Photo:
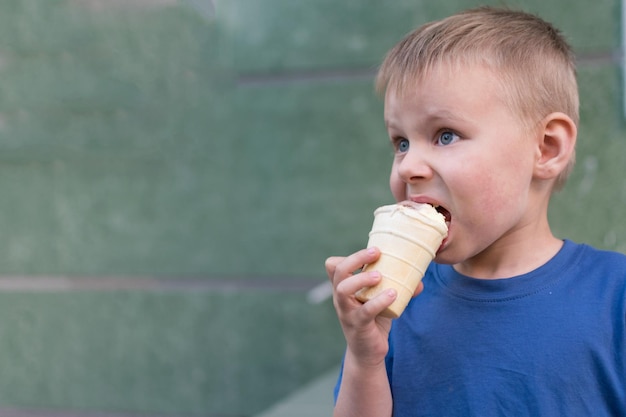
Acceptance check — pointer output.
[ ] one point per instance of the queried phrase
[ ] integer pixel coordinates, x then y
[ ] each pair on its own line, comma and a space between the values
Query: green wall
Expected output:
174, 173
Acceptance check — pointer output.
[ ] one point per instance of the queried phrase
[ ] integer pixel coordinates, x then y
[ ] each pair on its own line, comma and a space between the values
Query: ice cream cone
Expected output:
408, 236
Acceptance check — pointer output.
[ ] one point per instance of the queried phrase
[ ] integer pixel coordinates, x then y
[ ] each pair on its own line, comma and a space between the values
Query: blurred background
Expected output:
173, 174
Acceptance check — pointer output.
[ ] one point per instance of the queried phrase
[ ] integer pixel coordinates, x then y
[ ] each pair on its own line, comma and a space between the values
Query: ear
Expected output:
556, 143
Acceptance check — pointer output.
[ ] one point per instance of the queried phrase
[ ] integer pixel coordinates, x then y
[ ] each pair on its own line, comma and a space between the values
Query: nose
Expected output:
414, 166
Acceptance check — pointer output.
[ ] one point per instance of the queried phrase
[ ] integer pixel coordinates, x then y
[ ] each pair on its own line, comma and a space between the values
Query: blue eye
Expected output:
447, 137
403, 145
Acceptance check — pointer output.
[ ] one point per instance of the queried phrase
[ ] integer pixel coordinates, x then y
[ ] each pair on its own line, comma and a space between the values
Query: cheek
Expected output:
397, 187
497, 192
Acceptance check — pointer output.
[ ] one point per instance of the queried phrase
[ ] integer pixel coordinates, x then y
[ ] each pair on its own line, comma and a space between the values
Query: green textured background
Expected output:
229, 147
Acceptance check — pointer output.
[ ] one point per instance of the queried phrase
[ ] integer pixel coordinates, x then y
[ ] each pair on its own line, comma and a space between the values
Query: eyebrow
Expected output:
434, 116
446, 115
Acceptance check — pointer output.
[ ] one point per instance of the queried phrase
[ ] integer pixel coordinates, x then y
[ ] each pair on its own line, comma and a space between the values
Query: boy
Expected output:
482, 111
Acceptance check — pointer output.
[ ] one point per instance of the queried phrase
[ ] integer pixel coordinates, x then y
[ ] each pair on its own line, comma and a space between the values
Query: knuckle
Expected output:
330, 263
341, 289
342, 271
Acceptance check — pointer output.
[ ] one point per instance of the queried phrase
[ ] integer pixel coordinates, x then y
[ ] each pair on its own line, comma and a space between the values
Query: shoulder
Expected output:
601, 272
593, 258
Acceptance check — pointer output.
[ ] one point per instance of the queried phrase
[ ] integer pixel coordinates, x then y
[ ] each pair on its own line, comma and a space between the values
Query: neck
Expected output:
519, 252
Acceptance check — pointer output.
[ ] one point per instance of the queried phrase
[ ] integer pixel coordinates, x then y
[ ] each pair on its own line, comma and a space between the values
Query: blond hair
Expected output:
529, 57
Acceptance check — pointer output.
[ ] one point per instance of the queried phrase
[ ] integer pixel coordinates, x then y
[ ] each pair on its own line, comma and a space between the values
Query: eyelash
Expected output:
442, 132
396, 142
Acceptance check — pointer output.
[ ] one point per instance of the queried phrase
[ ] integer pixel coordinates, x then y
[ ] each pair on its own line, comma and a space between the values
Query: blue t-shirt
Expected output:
548, 343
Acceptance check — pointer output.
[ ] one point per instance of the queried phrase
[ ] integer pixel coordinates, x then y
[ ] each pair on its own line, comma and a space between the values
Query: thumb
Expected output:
419, 289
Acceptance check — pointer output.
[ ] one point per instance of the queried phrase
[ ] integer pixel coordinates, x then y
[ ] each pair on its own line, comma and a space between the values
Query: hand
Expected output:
366, 332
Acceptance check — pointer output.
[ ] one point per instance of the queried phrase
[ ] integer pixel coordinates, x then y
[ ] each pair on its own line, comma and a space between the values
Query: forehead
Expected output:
461, 76
467, 101
445, 90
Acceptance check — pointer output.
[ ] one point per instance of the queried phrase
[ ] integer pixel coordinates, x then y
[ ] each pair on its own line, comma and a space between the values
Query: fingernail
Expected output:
371, 251
391, 293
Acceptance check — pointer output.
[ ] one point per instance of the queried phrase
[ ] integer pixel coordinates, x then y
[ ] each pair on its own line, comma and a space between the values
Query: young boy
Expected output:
482, 111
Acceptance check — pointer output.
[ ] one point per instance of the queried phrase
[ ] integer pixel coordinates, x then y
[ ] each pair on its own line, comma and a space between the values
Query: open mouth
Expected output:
448, 217
445, 213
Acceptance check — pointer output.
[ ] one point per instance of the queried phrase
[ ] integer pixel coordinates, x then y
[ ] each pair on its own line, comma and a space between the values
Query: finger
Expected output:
331, 264
378, 304
355, 261
419, 289
352, 284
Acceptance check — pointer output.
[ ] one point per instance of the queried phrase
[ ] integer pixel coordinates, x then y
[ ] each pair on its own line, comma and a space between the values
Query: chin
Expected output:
441, 258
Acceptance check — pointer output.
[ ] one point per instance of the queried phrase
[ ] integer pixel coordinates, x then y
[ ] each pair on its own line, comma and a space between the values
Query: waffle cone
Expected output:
408, 236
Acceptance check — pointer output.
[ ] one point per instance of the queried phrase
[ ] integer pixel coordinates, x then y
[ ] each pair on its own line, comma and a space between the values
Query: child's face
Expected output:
458, 146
